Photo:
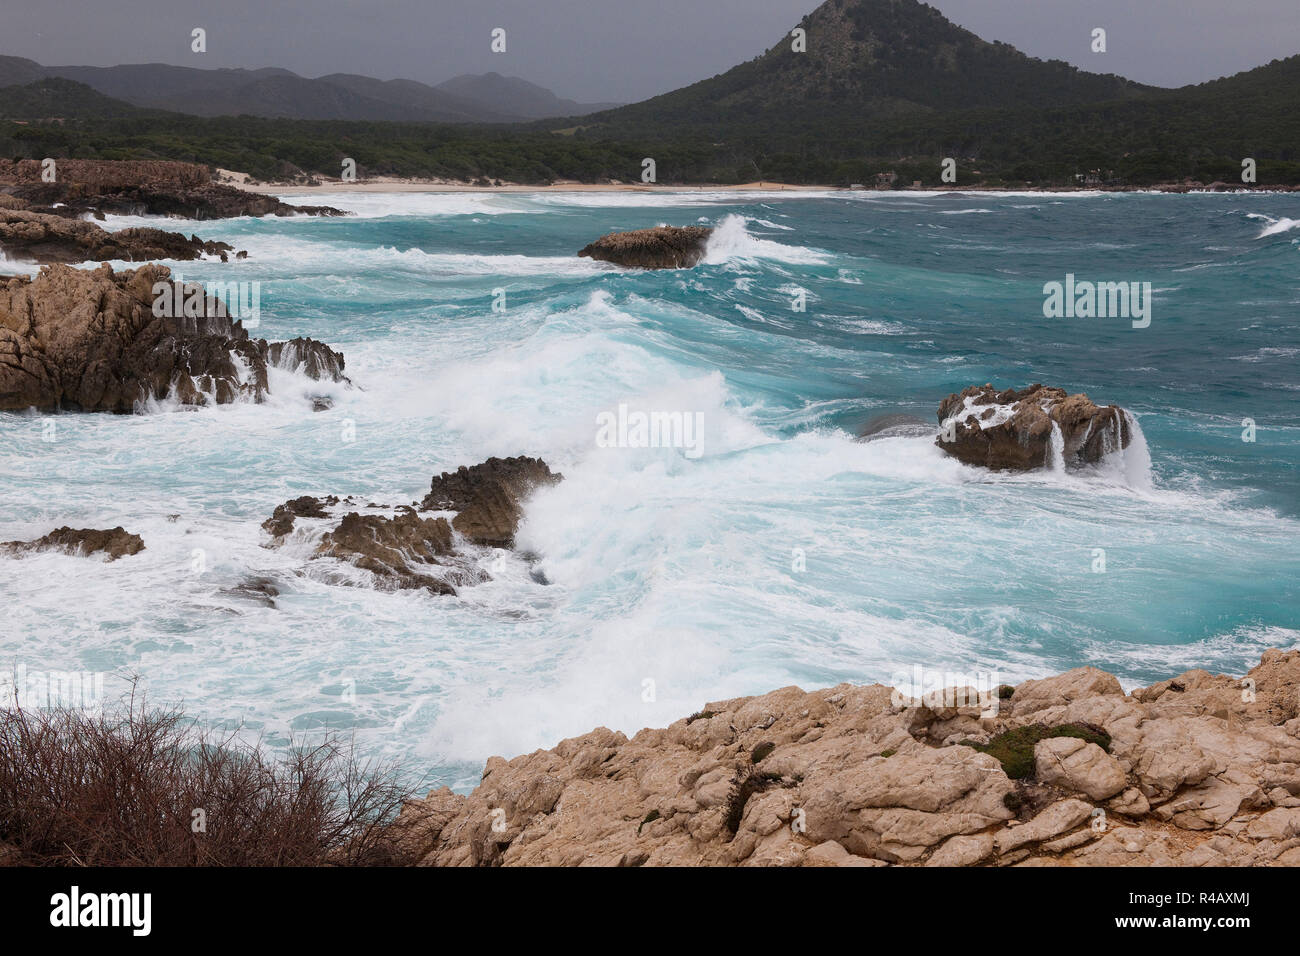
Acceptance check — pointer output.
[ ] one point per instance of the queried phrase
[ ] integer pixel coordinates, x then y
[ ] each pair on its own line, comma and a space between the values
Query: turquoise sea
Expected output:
786, 552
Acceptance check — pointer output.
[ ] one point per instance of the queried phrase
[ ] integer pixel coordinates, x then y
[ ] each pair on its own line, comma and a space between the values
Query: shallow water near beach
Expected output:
786, 552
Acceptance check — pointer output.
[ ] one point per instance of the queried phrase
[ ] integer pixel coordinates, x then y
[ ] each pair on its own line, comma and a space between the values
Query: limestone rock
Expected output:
1078, 766
852, 777
1057, 819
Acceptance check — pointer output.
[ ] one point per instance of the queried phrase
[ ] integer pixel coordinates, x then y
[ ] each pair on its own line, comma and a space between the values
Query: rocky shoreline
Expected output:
48, 222
91, 340
1198, 770
138, 188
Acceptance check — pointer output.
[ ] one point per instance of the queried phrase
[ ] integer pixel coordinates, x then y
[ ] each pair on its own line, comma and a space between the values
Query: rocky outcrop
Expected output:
1036, 427
403, 551
47, 238
1199, 770
141, 188
87, 340
282, 519
113, 544
664, 247
487, 497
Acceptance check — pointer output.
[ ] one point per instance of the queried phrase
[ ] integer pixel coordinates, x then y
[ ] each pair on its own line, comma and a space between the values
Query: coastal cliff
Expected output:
83, 340
1198, 770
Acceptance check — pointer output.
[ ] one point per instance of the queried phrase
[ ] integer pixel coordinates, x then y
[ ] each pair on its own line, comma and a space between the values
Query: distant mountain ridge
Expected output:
873, 59
278, 93
884, 91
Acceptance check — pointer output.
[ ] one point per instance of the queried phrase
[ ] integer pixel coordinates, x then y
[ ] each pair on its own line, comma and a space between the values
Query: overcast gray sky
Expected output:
625, 50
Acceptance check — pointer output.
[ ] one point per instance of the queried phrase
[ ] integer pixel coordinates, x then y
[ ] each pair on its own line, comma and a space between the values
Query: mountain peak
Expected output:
878, 58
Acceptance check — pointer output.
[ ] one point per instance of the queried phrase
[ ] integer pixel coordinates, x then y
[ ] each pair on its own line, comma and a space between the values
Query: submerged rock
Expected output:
88, 340
849, 776
664, 247
895, 425
257, 589
113, 544
1034, 427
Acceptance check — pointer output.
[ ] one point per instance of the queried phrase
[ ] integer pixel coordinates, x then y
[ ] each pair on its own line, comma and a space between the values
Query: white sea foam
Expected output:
1276, 226
731, 241
786, 553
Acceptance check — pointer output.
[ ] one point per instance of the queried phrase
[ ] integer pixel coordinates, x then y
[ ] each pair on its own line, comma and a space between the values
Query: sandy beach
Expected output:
393, 184
390, 184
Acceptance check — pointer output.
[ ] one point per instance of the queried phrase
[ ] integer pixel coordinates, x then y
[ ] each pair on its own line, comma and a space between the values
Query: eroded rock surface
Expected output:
140, 188
392, 548
663, 247
112, 544
46, 237
1035, 427
403, 550
1201, 770
88, 340
487, 497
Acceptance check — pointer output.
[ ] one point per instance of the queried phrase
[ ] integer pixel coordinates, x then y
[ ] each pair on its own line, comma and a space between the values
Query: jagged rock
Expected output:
1012, 430
46, 238
1081, 682
306, 356
281, 521
663, 247
487, 497
89, 340
142, 188
404, 551
853, 775
400, 551
1210, 804
113, 544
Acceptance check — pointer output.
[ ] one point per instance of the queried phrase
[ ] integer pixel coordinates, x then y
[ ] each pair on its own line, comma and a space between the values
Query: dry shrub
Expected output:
94, 790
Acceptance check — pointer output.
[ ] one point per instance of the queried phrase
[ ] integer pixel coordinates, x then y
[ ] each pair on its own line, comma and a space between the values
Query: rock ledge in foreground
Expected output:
1182, 773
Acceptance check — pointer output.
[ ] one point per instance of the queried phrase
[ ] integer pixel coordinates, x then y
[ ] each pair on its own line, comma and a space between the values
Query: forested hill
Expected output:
885, 86
869, 60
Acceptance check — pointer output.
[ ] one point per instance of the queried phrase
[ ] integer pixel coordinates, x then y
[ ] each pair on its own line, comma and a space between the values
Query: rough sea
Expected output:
779, 550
